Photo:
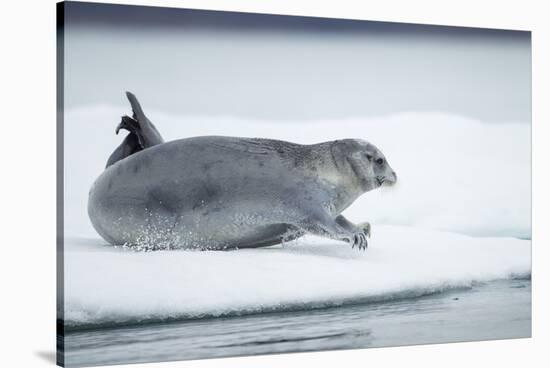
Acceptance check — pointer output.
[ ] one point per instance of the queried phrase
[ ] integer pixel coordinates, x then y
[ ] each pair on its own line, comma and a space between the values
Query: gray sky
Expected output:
278, 67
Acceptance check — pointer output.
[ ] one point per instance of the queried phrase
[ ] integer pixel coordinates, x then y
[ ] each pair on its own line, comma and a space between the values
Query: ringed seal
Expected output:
215, 192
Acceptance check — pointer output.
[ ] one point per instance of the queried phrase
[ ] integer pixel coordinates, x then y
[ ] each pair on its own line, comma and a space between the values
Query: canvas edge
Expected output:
60, 282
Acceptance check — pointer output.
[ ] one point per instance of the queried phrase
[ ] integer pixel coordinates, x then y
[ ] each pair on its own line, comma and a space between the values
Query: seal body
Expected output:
229, 192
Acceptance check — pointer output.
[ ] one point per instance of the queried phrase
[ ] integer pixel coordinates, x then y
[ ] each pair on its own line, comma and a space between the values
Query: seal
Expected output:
216, 192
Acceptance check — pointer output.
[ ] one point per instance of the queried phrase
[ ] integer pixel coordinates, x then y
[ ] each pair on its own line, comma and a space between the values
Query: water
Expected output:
496, 310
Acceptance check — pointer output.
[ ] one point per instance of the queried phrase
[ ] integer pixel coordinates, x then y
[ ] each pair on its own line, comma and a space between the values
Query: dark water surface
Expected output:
495, 310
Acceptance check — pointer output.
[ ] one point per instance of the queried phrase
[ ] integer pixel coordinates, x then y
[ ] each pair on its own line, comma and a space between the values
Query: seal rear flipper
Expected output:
143, 134
129, 146
133, 127
148, 133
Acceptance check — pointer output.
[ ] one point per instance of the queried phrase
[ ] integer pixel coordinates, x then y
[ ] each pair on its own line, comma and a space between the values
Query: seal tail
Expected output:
142, 132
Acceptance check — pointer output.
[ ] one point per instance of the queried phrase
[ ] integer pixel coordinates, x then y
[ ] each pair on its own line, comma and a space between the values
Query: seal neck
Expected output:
339, 183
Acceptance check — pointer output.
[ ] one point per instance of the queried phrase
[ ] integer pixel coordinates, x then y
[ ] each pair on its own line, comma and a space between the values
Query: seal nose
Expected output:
394, 176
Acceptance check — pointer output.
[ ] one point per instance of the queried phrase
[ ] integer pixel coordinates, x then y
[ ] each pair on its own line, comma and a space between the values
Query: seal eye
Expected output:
380, 161
369, 157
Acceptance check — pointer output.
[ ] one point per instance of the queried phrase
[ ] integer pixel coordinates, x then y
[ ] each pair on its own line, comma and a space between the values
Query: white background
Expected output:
27, 308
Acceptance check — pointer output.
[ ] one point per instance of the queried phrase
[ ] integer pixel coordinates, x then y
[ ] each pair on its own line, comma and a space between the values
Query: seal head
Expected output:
364, 165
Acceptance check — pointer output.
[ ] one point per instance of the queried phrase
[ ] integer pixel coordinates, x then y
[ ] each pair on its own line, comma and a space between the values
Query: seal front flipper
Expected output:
364, 226
322, 224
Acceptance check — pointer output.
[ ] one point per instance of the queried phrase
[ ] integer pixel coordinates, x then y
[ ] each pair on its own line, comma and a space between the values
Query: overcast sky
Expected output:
279, 67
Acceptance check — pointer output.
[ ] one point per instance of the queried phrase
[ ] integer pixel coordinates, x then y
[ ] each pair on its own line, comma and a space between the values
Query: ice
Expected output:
106, 285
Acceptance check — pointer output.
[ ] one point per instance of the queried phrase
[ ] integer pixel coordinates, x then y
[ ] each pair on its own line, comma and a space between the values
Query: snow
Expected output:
462, 202
106, 285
